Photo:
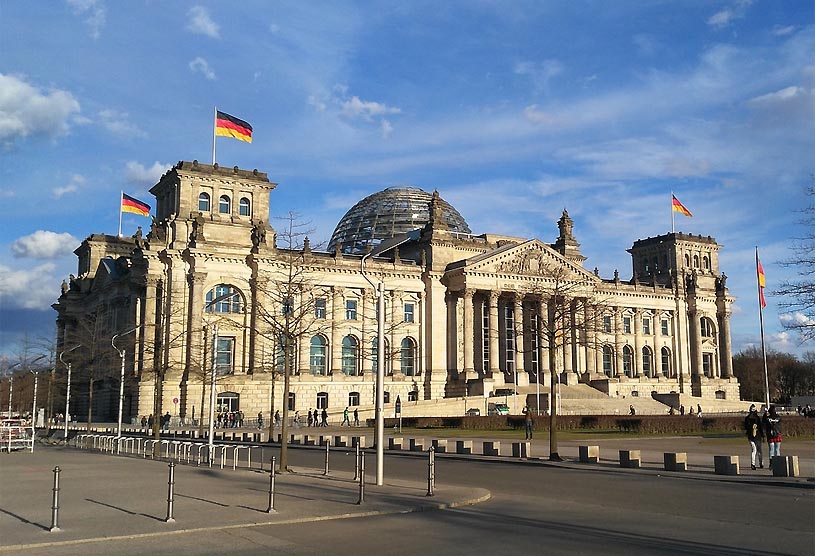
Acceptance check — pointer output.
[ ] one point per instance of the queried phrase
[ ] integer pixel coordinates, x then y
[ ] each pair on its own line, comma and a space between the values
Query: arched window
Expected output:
374, 358
706, 262
696, 261
666, 362
223, 298
317, 352
203, 202
243, 206
350, 356
409, 357
224, 205
628, 361
608, 361
707, 327
687, 259
647, 360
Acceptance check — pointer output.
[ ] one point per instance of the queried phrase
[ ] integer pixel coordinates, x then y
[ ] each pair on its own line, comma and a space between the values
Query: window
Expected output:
244, 206
322, 400
288, 306
223, 355
292, 401
687, 259
705, 263
608, 361
203, 202
350, 309
317, 355
409, 312
228, 401
646, 326
707, 327
374, 355
626, 325
509, 328
696, 261
350, 356
229, 300
485, 336
665, 328
353, 398
534, 345
607, 323
628, 361
408, 357
413, 396
224, 205
707, 364
666, 361
721, 395
387, 396
647, 358
635, 394
319, 308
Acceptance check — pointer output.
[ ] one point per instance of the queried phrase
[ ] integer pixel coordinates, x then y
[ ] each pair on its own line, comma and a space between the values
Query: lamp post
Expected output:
11, 387
121, 380
36, 377
68, 391
379, 287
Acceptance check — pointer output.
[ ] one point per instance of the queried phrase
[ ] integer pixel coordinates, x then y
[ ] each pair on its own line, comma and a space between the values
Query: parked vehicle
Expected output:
473, 412
498, 409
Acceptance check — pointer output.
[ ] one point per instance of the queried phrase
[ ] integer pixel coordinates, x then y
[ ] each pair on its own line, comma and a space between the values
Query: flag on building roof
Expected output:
230, 126
679, 207
133, 205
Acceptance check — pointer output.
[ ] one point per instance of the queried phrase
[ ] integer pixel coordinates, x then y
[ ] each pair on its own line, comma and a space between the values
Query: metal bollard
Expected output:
170, 485
361, 478
431, 470
55, 502
271, 508
356, 463
327, 448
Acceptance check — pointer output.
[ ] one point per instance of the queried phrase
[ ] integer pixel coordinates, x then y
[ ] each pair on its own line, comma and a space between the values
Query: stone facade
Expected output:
465, 314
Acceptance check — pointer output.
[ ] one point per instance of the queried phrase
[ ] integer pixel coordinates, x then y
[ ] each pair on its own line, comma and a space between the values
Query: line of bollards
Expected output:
170, 497
431, 470
55, 502
271, 508
361, 477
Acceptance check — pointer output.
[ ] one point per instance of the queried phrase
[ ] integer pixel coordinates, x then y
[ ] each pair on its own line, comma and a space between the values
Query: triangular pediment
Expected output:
531, 258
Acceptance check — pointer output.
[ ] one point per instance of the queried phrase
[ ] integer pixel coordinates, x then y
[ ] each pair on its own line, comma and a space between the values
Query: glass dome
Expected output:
387, 213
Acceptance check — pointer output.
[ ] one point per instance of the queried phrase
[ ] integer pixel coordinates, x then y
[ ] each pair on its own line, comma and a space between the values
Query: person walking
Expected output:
308, 417
631, 410
529, 422
315, 418
260, 420
755, 436
325, 418
356, 417
772, 428
345, 420
698, 410
277, 418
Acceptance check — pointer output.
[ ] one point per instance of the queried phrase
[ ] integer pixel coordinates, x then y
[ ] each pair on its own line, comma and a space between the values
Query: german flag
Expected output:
230, 126
133, 205
679, 207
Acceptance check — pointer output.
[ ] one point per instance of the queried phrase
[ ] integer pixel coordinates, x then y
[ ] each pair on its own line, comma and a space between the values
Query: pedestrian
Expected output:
309, 418
296, 420
631, 410
150, 421
315, 418
529, 422
755, 436
772, 428
698, 410
356, 417
143, 422
260, 419
690, 411
277, 418
345, 420
325, 418
681, 409
167, 421
241, 417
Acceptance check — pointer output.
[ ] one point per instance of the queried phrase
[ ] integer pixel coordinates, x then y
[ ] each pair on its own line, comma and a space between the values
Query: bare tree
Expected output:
800, 293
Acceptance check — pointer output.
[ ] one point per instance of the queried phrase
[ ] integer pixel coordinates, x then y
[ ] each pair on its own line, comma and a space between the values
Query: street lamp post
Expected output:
36, 380
121, 381
68, 391
380, 344
10, 387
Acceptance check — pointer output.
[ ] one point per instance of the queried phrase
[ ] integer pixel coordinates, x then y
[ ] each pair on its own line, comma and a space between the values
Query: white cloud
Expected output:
726, 16
781, 95
201, 23
355, 107
43, 244
782, 30
70, 187
25, 110
201, 66
33, 288
386, 128
540, 73
318, 104
140, 174
95, 11
796, 319
119, 123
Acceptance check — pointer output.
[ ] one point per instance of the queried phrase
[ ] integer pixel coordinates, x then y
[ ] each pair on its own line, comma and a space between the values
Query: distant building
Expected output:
465, 313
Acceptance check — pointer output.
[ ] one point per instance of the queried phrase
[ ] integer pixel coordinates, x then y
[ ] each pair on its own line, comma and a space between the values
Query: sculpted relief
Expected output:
527, 262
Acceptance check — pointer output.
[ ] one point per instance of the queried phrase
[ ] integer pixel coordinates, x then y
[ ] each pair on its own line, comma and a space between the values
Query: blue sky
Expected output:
513, 110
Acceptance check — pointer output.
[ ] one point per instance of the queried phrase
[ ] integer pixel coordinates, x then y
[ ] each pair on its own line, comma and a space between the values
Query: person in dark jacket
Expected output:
772, 428
755, 436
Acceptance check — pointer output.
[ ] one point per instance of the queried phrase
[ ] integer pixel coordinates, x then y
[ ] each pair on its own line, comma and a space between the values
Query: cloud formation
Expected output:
119, 123
71, 187
43, 244
366, 109
199, 65
95, 12
138, 173
26, 111
201, 23
32, 288
726, 16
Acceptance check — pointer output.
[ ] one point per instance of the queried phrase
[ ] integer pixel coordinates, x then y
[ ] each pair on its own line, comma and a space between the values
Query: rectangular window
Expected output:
665, 329
707, 364
322, 400
646, 326
223, 355
626, 325
607, 324
319, 308
351, 309
409, 308
288, 306
292, 400
509, 327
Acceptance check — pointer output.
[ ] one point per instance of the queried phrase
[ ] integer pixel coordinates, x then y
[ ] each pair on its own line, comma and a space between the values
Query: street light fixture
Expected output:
36, 380
11, 386
68, 391
379, 287
121, 381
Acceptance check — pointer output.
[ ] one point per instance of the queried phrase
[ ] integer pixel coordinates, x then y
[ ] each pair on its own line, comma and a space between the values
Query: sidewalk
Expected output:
104, 497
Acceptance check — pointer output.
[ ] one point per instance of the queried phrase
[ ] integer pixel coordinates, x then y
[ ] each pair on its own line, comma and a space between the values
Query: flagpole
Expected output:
763, 348
121, 200
214, 125
672, 212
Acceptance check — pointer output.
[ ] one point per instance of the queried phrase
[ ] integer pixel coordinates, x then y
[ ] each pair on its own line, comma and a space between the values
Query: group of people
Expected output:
672, 410
313, 418
346, 420
148, 421
758, 427
229, 419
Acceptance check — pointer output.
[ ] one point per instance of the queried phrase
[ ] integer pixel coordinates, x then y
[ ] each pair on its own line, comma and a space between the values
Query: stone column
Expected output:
696, 340
368, 331
495, 361
568, 340
544, 344
637, 370
518, 317
593, 318
451, 339
618, 343
337, 324
725, 348
469, 368
395, 341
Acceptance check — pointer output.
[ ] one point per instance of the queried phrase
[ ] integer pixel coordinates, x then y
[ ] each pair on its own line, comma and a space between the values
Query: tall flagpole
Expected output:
214, 125
761, 321
672, 211
121, 200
